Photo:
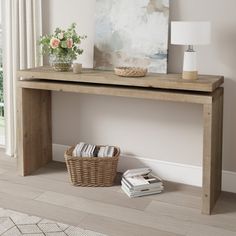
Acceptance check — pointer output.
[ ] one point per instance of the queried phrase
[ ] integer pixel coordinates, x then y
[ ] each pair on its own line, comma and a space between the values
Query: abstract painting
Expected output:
132, 33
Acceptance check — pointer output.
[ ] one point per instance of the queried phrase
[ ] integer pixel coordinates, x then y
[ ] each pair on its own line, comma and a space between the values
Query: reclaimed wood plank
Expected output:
34, 134
212, 152
206, 83
130, 92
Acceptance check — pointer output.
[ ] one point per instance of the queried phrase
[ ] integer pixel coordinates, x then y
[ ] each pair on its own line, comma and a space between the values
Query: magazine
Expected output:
140, 182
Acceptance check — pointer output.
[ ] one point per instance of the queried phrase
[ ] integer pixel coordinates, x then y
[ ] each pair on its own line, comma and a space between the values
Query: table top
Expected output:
205, 83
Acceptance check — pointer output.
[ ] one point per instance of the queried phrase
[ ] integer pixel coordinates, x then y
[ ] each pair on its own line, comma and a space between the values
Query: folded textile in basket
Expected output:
89, 150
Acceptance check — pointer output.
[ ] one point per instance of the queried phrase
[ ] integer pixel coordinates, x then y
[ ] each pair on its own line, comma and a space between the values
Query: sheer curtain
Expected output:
22, 26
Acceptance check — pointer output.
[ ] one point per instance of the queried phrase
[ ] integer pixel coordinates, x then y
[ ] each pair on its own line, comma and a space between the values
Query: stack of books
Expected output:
140, 182
89, 150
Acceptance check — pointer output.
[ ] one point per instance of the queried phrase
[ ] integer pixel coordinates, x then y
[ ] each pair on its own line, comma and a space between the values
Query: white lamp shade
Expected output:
190, 32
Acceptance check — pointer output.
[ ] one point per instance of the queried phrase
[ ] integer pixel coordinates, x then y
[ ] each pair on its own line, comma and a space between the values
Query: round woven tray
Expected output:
130, 71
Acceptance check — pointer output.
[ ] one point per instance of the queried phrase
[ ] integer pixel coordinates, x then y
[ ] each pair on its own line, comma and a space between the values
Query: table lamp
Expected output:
190, 33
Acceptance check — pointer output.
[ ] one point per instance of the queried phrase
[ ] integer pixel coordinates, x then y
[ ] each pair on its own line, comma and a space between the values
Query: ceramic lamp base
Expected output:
190, 66
190, 75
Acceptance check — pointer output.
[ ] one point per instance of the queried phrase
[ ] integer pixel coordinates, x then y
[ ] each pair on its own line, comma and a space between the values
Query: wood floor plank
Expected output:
175, 198
204, 230
41, 209
192, 215
57, 172
226, 209
111, 195
2, 171
7, 163
19, 190
182, 188
162, 222
178, 195
229, 198
113, 227
49, 194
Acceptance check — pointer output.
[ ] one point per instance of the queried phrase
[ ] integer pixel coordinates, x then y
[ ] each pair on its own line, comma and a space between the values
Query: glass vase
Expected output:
60, 63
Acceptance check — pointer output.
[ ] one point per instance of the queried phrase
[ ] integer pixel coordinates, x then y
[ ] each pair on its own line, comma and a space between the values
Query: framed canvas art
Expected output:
132, 33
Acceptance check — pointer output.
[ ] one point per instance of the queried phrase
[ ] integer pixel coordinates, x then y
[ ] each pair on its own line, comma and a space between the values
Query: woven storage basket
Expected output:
130, 71
92, 171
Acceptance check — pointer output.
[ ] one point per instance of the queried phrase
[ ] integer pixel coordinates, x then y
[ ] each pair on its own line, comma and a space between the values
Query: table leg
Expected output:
34, 133
212, 151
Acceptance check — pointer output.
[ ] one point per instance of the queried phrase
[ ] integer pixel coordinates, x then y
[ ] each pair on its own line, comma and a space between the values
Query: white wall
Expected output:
218, 58
150, 129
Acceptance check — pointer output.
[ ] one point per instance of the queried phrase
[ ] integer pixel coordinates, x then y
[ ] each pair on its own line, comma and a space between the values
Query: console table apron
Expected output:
34, 128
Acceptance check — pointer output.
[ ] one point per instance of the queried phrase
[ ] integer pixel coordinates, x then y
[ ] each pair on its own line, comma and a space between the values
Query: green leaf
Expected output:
63, 44
62, 50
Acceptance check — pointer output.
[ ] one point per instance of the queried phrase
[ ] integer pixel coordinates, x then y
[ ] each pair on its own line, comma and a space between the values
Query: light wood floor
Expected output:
48, 194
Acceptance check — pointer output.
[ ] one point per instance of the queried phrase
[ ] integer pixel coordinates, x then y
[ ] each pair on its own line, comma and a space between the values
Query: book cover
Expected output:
139, 182
139, 194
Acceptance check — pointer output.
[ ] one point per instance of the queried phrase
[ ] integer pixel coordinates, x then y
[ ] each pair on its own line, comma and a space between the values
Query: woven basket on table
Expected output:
130, 71
92, 171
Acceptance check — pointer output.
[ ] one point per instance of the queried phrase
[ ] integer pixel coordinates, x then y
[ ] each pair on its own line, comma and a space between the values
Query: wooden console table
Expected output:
34, 132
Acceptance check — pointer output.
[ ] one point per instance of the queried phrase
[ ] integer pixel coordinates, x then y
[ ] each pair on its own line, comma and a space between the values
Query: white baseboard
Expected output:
228, 181
166, 170
176, 172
